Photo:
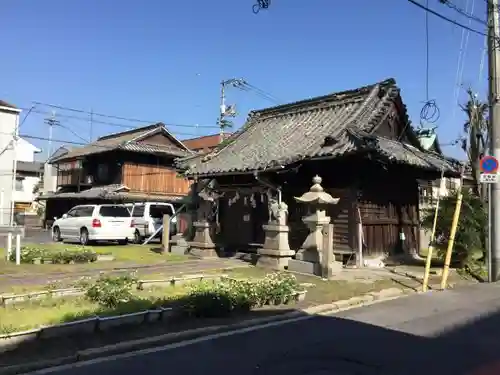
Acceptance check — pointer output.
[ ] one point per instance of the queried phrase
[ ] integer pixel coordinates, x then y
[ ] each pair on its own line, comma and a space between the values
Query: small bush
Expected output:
72, 256
111, 291
226, 297
204, 300
28, 254
66, 256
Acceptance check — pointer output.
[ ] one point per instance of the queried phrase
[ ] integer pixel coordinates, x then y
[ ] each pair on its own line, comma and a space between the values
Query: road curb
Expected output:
171, 338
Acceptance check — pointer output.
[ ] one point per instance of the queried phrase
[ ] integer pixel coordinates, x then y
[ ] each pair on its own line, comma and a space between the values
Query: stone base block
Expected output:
302, 266
179, 249
200, 251
179, 245
274, 259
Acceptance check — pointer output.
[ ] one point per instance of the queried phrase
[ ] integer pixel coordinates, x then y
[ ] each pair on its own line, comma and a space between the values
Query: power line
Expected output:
439, 15
111, 117
463, 12
261, 4
128, 127
464, 42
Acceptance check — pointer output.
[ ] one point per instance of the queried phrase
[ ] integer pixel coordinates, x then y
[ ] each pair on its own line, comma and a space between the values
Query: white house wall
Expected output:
49, 178
8, 121
25, 151
26, 194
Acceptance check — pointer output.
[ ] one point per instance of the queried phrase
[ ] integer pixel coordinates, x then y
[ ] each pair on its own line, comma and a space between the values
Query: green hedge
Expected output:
203, 300
66, 256
222, 298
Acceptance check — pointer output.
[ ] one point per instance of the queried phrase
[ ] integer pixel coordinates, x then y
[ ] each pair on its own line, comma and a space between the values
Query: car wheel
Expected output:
122, 242
56, 234
137, 237
84, 237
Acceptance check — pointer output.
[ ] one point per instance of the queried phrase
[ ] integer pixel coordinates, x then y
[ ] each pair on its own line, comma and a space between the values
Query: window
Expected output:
427, 195
138, 211
114, 211
156, 211
19, 184
72, 212
85, 211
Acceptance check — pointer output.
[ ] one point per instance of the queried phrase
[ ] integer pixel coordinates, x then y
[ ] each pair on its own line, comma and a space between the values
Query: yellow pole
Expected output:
428, 260
430, 250
453, 232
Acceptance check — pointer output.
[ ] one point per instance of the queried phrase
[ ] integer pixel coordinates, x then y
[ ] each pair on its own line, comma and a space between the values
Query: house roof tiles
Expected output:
330, 125
129, 141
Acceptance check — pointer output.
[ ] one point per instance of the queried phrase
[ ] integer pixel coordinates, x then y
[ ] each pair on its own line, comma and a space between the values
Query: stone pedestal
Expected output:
329, 266
202, 245
310, 250
179, 245
315, 256
305, 267
275, 253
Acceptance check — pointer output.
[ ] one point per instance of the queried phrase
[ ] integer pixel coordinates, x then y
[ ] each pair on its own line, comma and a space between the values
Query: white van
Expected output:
147, 218
94, 222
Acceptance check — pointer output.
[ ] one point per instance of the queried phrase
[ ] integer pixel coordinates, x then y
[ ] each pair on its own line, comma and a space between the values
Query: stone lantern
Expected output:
311, 256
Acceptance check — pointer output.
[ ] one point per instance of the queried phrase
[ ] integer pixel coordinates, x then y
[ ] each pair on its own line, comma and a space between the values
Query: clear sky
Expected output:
163, 60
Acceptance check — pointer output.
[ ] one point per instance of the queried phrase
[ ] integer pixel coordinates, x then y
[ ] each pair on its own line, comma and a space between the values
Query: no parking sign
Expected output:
489, 170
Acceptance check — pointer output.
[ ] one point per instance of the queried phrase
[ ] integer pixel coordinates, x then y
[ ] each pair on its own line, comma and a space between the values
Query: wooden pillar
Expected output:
165, 238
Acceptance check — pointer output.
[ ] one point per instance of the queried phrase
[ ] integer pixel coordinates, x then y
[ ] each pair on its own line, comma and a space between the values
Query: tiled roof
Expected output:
205, 142
114, 191
307, 129
129, 141
29, 166
405, 153
3, 103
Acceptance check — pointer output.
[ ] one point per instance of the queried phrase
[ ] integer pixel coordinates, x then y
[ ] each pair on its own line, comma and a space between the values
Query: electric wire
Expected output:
461, 63
430, 112
69, 109
463, 12
444, 18
261, 4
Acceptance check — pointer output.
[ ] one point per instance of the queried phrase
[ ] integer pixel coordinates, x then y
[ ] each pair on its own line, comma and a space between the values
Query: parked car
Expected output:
86, 223
147, 219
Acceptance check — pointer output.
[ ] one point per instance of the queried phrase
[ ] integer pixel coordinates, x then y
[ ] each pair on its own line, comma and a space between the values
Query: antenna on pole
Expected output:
228, 111
91, 123
51, 121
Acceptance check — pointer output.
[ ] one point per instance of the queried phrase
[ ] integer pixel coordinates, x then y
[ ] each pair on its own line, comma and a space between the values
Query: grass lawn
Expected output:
124, 255
29, 315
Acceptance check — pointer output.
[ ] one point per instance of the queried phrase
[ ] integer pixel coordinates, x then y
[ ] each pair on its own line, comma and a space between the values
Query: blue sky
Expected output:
163, 60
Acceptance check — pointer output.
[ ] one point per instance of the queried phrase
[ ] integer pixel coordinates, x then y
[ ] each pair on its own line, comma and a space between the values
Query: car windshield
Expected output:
114, 211
157, 211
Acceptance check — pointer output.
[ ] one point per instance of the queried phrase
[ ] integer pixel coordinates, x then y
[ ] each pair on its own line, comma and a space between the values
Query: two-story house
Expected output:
50, 170
29, 173
130, 166
9, 120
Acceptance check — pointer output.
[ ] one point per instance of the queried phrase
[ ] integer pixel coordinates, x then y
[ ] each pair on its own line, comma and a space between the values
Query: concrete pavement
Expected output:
432, 333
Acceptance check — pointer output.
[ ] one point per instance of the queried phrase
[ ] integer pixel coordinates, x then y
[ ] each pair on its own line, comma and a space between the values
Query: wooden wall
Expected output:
153, 179
69, 177
387, 210
341, 216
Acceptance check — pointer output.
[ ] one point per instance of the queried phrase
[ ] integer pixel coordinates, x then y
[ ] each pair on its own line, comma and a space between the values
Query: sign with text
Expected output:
489, 170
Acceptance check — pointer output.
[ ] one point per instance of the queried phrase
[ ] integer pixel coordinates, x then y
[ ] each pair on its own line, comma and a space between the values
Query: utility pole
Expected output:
494, 114
15, 138
230, 110
51, 122
222, 110
91, 123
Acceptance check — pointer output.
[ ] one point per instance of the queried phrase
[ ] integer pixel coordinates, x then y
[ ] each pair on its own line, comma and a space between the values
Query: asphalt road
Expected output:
432, 333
